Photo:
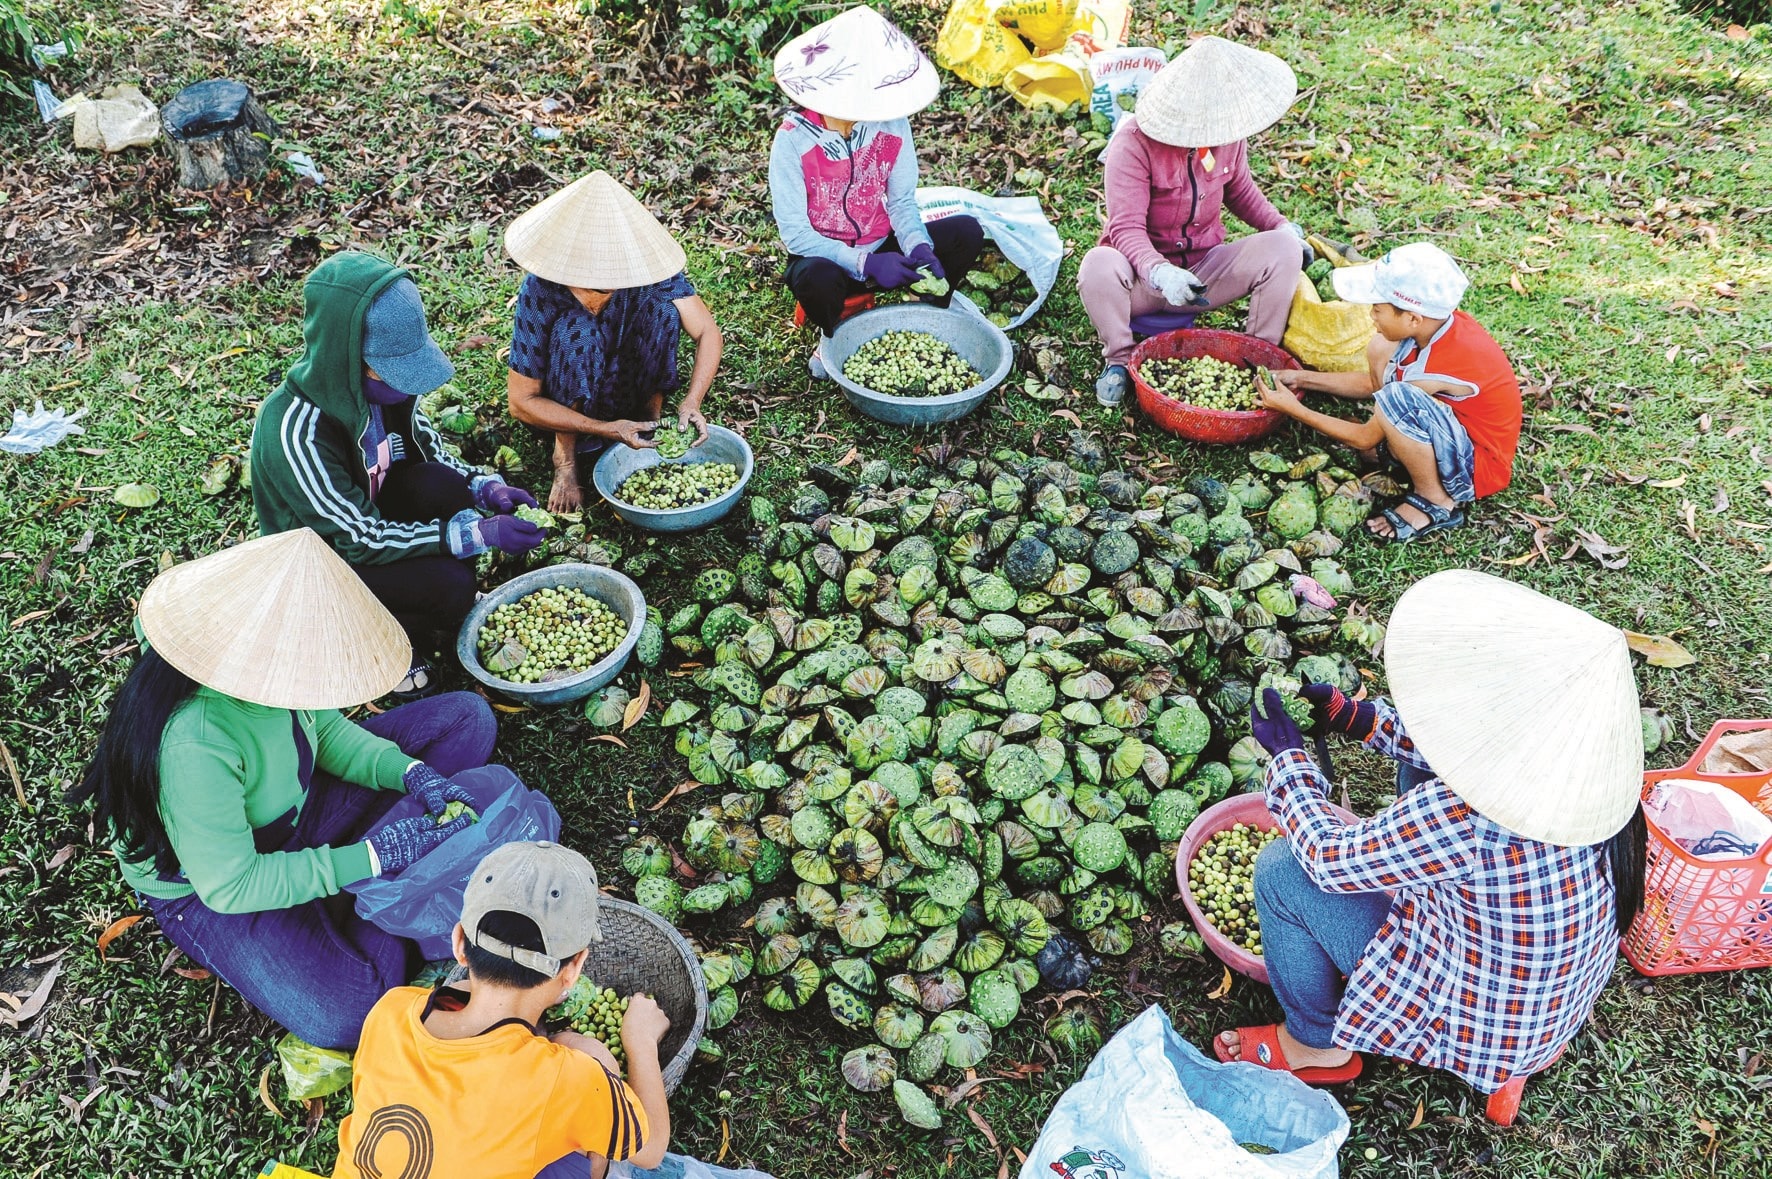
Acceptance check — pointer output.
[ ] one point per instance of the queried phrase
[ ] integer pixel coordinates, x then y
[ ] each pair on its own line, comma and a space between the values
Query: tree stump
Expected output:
219, 133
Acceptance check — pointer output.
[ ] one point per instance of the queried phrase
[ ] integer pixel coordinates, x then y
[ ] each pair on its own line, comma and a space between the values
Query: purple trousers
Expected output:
318, 968
1263, 266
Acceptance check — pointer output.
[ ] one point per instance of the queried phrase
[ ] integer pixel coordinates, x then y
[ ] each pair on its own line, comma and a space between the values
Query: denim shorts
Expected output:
1425, 418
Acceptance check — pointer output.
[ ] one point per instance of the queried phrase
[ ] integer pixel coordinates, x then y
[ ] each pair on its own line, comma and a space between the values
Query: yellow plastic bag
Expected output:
975, 47
312, 1072
1044, 22
1100, 24
1055, 80
279, 1170
1329, 337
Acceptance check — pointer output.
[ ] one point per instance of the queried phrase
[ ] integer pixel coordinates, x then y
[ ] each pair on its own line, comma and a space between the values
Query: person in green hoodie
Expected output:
241, 803
342, 447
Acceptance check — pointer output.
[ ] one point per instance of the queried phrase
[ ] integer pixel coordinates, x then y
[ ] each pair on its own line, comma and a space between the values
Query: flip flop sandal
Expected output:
419, 683
1265, 1040
1402, 532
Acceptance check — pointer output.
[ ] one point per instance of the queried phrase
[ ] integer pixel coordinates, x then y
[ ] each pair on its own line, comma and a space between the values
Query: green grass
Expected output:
1613, 160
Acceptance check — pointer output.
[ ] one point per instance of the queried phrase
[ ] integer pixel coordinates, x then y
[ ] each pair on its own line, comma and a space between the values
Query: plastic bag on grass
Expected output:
1151, 1106
975, 47
1329, 337
1017, 225
424, 901
309, 1071
676, 1166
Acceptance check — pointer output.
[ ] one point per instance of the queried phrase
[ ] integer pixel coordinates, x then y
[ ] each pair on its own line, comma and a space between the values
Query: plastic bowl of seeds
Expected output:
619, 463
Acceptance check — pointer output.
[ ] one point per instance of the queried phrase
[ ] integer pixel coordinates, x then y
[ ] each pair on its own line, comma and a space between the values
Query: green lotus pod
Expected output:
706, 899
1068, 579
869, 805
900, 703
1081, 712
968, 1037
776, 915
1047, 807
870, 1069
813, 827
1100, 847
777, 954
847, 1007
1040, 870
851, 534
736, 848
1112, 938
1098, 804
1126, 760
648, 855
814, 867
898, 1025
935, 949
876, 740
816, 904
979, 950
916, 1106
722, 1007
924, 1058
905, 783
857, 854
937, 660
861, 921
902, 988
910, 841
995, 998
1087, 685
1076, 1030
1171, 811
793, 987
660, 894
937, 826
1018, 842
954, 884
856, 974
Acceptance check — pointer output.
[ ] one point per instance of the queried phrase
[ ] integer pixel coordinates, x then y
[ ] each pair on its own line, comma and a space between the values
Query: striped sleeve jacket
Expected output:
1495, 947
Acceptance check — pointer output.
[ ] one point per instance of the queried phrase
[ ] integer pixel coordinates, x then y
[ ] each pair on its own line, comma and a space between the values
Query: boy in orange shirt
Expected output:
461, 1084
1448, 404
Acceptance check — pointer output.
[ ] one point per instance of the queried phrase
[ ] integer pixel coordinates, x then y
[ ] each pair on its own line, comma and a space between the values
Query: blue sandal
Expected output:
1402, 532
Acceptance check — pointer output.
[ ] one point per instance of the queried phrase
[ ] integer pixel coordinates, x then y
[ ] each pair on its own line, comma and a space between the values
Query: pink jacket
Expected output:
1165, 205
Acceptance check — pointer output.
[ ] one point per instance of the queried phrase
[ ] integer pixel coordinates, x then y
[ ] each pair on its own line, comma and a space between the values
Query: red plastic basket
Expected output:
1704, 915
1191, 421
853, 305
1251, 810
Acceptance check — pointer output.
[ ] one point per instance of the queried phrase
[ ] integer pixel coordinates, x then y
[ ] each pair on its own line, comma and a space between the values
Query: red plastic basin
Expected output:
1216, 426
1250, 810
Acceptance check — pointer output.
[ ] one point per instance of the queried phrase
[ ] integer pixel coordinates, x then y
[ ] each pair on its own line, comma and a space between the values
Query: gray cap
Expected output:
398, 345
553, 886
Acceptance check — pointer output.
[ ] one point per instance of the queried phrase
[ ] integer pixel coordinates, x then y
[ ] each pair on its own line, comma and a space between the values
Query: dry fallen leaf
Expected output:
35, 1001
1420, 1109
115, 930
843, 1133
676, 791
990, 1136
1659, 650
1735, 33
1224, 987
264, 1092
611, 738
636, 707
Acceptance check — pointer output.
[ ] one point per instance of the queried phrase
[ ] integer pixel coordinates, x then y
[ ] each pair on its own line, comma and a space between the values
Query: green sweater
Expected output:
228, 769
308, 465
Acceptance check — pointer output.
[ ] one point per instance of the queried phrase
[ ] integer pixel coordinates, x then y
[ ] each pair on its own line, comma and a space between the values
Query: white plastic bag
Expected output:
676, 1166
1016, 224
33, 432
1151, 1107
1117, 73
1692, 812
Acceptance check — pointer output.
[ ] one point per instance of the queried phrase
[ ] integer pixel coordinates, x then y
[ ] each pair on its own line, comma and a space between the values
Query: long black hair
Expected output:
124, 777
1626, 854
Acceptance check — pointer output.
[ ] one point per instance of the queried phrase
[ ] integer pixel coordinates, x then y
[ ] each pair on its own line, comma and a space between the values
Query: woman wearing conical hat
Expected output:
843, 170
1171, 171
1471, 925
239, 801
594, 343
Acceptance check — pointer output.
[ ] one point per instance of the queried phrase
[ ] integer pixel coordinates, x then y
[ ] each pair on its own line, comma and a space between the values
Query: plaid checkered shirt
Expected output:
1495, 947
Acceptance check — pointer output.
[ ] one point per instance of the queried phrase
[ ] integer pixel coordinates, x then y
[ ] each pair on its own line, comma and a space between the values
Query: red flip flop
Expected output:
1266, 1042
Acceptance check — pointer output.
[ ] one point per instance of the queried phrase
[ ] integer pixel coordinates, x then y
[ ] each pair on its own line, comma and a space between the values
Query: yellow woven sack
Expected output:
1329, 337
1054, 80
1044, 22
975, 47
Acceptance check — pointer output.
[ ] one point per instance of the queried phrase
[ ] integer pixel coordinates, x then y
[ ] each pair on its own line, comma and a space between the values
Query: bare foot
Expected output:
1297, 1055
565, 495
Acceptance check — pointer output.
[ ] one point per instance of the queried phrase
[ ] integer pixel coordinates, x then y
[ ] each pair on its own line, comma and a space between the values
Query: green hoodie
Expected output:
308, 466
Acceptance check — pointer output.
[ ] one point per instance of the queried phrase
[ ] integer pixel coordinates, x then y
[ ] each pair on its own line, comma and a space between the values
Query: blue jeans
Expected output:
1312, 939
317, 968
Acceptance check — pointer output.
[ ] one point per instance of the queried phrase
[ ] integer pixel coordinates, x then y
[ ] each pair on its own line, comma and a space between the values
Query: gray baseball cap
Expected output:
551, 885
398, 345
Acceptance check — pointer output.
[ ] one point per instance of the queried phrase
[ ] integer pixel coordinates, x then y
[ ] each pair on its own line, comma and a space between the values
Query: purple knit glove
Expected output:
402, 844
1275, 732
495, 495
924, 256
891, 271
511, 535
433, 789
1335, 712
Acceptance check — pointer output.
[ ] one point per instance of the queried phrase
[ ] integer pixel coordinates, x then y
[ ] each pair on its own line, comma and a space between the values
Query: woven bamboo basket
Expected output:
640, 951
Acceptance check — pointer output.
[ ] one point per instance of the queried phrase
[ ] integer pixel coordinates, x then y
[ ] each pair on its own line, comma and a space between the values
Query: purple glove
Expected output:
924, 256
890, 271
400, 845
493, 495
433, 789
1357, 718
1276, 732
511, 535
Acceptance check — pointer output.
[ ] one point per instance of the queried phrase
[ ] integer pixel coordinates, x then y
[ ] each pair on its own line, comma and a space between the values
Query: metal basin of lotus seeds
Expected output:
549, 634
669, 486
910, 364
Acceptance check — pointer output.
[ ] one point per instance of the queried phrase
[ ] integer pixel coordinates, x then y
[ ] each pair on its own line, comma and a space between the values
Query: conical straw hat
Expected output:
1215, 92
280, 621
857, 65
1523, 705
594, 234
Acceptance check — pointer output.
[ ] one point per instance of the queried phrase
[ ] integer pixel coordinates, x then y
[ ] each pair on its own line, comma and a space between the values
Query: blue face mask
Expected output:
380, 392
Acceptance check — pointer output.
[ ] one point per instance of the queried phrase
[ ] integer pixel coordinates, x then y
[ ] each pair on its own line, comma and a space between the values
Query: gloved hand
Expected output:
924, 256
433, 789
1298, 232
495, 495
400, 845
890, 271
1178, 286
1275, 732
511, 535
1337, 713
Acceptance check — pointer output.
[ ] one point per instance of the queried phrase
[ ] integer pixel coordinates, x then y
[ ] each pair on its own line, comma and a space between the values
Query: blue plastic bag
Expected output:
424, 901
676, 1166
1151, 1106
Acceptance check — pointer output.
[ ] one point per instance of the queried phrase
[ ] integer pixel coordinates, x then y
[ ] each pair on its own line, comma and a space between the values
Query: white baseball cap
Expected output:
1418, 277
553, 886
